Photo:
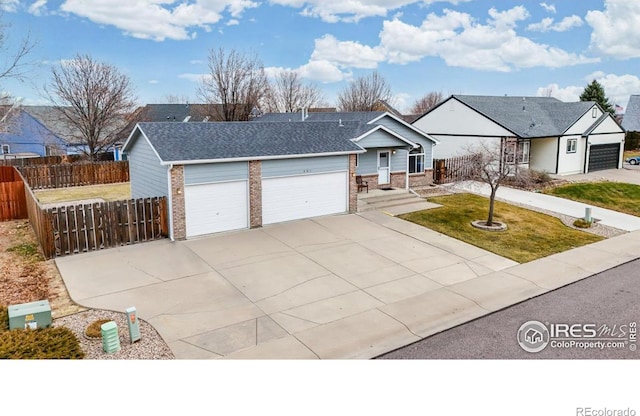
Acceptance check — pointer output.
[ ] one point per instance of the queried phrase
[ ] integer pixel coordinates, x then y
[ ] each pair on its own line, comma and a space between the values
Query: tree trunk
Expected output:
492, 199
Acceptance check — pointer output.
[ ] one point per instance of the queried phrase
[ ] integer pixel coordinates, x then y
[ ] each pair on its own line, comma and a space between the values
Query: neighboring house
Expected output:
25, 136
232, 175
540, 133
398, 154
50, 117
631, 120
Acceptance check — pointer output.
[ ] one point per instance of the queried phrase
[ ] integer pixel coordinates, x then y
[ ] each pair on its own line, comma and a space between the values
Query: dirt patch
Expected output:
25, 276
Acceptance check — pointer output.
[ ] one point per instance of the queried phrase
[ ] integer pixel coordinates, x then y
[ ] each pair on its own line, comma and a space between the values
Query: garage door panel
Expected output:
216, 207
297, 197
604, 156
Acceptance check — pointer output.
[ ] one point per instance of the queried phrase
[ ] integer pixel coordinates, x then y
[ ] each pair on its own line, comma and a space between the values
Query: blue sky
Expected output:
454, 47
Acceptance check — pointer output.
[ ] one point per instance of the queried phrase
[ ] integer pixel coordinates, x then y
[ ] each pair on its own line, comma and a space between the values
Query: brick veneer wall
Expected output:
421, 179
353, 186
177, 203
255, 194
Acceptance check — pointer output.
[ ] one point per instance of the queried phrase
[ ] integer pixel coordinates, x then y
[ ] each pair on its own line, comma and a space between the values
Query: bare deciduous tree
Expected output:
288, 93
13, 65
364, 93
495, 163
426, 103
93, 100
175, 99
235, 86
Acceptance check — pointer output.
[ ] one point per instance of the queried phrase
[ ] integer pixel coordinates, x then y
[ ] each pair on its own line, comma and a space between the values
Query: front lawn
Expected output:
621, 197
109, 192
530, 235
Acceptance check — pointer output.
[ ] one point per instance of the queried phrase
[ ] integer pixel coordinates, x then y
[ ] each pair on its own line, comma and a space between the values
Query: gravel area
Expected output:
150, 346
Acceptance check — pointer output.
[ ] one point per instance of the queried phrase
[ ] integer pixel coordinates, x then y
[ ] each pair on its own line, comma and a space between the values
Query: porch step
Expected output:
386, 201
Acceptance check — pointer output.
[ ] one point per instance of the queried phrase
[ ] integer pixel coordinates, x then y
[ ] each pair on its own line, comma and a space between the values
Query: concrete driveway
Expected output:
628, 174
346, 286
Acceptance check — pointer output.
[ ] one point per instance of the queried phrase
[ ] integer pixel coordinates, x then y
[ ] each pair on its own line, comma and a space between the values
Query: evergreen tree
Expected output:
595, 92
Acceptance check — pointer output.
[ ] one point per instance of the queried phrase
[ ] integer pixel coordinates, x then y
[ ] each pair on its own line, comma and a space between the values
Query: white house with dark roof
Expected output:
541, 133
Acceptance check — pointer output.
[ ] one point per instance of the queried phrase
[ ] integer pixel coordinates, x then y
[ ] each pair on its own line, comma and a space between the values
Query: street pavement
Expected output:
608, 298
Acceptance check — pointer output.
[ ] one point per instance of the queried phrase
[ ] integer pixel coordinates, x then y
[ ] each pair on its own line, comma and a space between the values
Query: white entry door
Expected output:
384, 167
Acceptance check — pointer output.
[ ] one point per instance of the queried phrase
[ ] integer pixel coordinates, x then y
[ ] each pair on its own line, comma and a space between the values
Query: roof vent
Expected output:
340, 123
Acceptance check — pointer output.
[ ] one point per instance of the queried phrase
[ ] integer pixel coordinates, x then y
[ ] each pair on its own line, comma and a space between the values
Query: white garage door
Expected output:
296, 197
216, 207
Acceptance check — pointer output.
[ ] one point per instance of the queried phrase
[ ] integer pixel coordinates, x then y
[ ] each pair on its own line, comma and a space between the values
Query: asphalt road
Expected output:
609, 298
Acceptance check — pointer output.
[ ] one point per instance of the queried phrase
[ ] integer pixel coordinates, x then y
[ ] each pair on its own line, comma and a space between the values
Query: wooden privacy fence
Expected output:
13, 203
90, 227
7, 160
77, 174
455, 169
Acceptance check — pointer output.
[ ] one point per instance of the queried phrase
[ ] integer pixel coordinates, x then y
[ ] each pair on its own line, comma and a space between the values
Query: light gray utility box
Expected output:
30, 315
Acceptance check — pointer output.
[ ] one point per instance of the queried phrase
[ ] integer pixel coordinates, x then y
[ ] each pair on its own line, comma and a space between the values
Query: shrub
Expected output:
43, 344
4, 319
94, 329
582, 223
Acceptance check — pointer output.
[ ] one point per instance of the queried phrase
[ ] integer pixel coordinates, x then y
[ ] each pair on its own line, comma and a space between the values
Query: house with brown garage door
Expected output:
235, 175
541, 133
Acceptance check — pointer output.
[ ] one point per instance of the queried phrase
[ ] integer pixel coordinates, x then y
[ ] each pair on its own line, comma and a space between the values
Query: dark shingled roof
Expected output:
631, 120
230, 140
362, 116
528, 117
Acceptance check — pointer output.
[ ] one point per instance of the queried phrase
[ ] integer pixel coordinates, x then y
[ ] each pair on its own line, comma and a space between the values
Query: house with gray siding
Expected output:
227, 176
397, 154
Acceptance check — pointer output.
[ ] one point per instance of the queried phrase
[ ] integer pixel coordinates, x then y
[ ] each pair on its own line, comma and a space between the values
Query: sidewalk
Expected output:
551, 203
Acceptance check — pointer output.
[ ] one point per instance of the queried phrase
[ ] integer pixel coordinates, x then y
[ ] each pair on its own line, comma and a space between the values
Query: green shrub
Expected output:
42, 344
4, 319
582, 223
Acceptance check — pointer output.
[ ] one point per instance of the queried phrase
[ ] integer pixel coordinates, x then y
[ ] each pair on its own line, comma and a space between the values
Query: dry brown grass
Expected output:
109, 192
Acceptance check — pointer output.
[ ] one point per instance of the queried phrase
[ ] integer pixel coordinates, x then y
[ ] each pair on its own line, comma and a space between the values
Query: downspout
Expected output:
586, 155
170, 201
406, 171
558, 155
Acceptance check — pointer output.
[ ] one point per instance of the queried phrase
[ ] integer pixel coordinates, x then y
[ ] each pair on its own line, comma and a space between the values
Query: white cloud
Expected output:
233, 22
548, 24
461, 41
617, 88
333, 11
9, 5
157, 19
616, 30
323, 71
346, 53
38, 7
548, 7
154, 81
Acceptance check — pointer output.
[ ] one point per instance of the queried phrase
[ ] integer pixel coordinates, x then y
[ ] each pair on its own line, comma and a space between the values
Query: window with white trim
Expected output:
517, 152
5, 149
416, 160
572, 145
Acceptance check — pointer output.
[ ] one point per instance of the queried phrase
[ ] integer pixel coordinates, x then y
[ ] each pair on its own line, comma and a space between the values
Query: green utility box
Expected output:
31, 315
110, 337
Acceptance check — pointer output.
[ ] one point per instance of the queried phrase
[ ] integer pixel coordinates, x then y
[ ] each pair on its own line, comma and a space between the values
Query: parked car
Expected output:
633, 160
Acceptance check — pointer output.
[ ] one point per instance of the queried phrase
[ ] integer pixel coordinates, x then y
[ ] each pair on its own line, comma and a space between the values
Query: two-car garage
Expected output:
217, 196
